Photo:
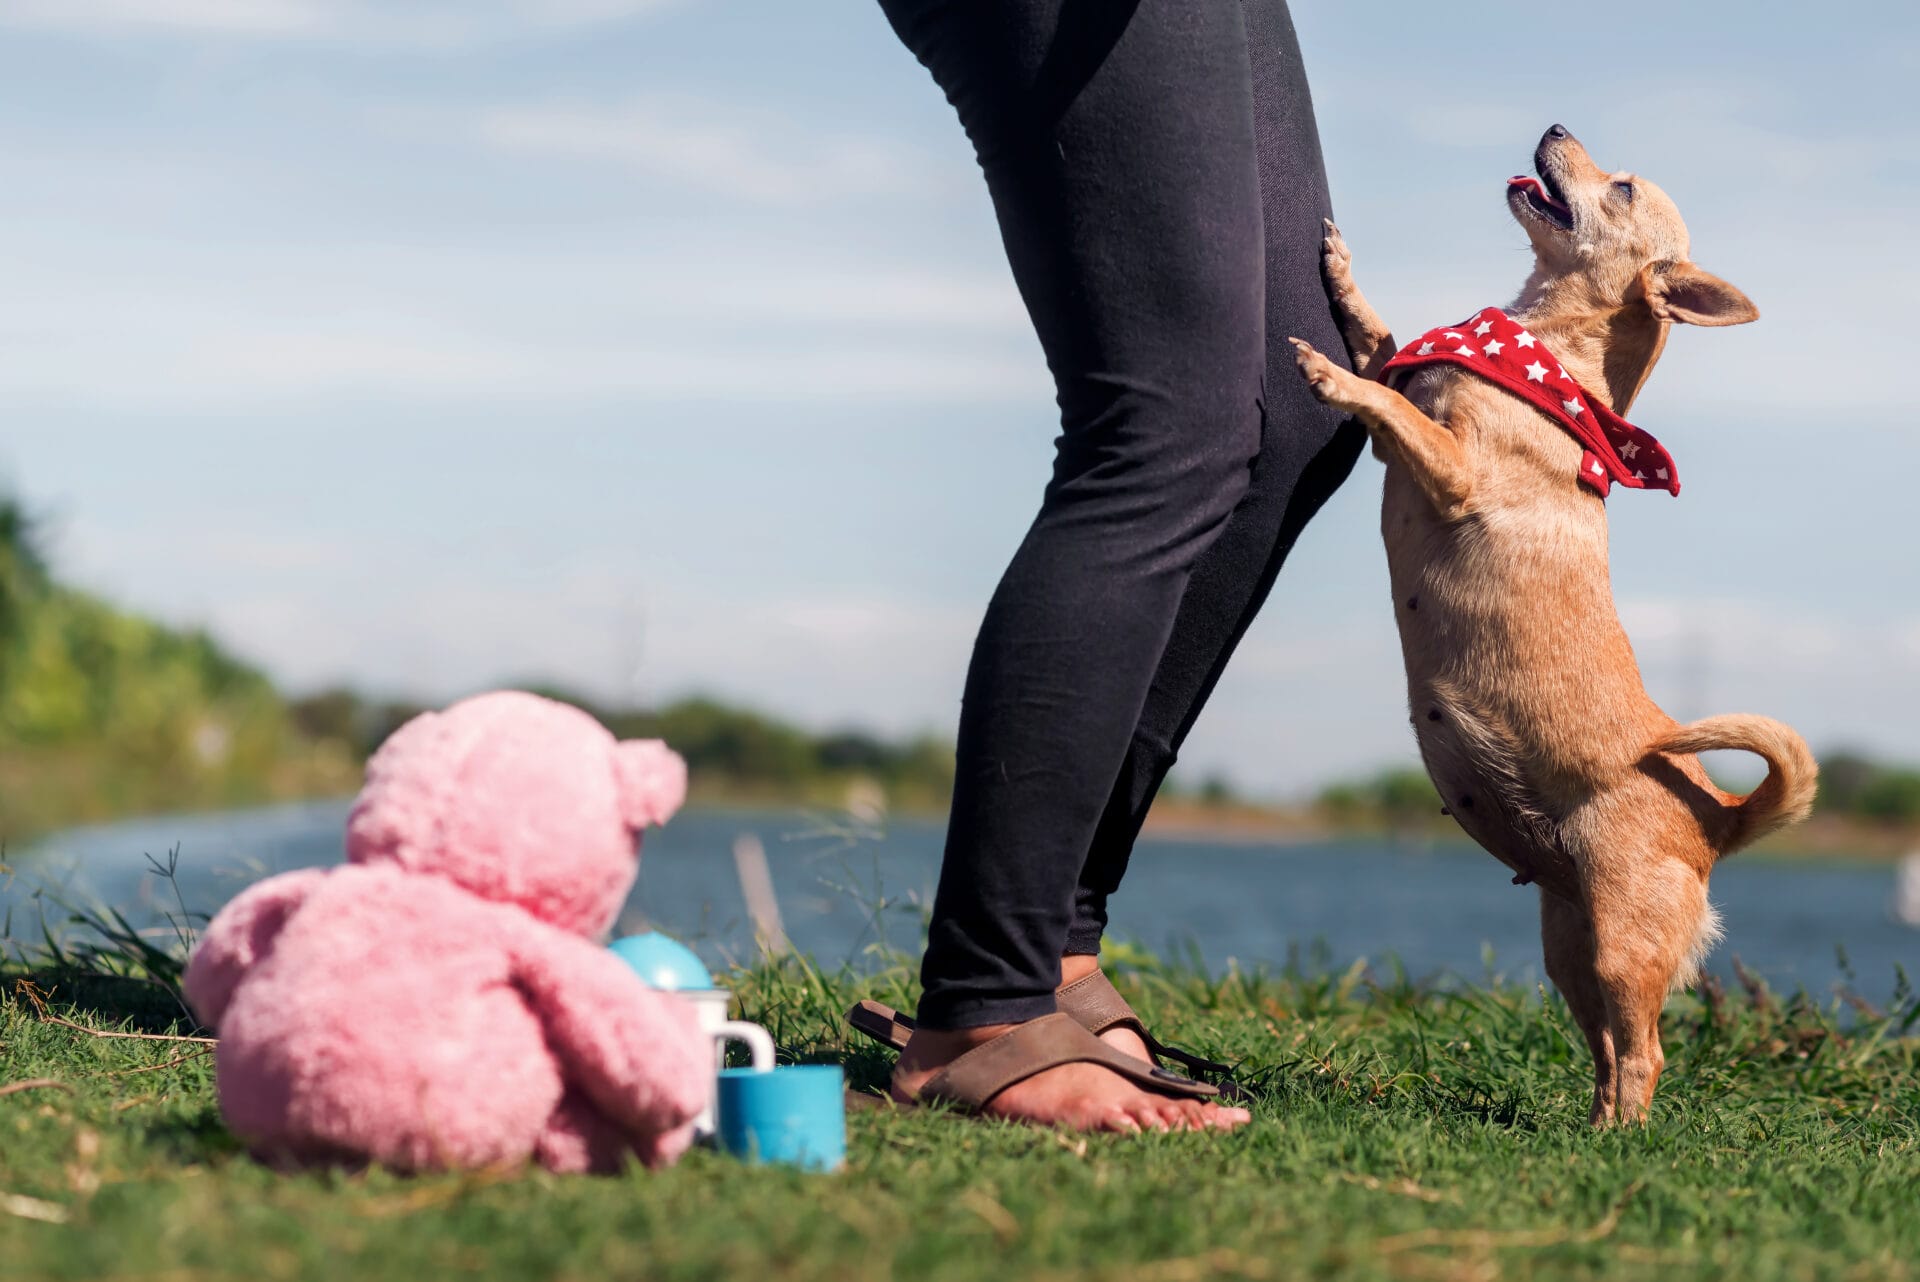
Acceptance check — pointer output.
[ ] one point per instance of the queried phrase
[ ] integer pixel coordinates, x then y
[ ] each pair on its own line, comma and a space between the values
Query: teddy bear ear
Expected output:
653, 782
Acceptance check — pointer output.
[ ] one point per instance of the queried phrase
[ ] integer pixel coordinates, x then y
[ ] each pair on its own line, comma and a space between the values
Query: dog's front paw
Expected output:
1322, 375
1335, 257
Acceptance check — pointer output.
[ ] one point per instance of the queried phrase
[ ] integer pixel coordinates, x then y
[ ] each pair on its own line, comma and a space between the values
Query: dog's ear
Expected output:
1683, 293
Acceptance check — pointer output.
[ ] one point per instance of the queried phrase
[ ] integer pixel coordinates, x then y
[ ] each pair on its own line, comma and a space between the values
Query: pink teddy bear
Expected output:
442, 1001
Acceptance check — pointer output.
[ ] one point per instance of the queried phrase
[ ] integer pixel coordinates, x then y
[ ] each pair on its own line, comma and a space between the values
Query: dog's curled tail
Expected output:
1784, 797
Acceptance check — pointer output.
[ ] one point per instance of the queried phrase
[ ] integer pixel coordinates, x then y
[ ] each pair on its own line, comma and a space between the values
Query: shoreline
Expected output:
1173, 819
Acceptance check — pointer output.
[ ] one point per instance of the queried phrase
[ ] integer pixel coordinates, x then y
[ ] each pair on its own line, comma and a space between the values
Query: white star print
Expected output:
1629, 450
1597, 469
1574, 407
1453, 334
1483, 328
1464, 350
1426, 349
1639, 476
1523, 339
1493, 348
1563, 373
1537, 372
1660, 472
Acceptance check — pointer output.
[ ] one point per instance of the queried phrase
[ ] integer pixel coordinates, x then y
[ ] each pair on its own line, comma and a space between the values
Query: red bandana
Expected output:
1492, 345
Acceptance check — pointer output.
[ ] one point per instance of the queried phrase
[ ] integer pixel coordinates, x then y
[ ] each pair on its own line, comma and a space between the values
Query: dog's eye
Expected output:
1625, 189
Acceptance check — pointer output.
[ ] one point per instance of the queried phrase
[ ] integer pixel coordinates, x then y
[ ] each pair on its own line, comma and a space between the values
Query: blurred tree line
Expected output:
1399, 798
732, 753
1856, 787
104, 713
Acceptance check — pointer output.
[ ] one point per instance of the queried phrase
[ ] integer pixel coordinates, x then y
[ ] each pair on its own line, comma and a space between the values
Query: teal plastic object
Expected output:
793, 1116
665, 963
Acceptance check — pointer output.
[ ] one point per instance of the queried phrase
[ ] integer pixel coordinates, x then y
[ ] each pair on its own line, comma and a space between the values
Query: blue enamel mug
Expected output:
793, 1116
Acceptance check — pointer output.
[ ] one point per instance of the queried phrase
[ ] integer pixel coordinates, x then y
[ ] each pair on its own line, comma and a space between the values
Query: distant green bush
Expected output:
730, 751
103, 712
23, 577
1854, 786
1402, 796
736, 746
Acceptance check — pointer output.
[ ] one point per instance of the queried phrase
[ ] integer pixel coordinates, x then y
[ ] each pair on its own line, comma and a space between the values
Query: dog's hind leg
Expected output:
1646, 913
1369, 343
1566, 935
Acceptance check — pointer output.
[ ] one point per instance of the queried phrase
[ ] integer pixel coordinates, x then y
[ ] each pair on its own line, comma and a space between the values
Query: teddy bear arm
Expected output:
240, 935
636, 1053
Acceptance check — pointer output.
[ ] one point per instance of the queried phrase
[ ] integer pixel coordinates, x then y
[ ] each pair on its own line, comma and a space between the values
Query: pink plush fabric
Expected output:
443, 1002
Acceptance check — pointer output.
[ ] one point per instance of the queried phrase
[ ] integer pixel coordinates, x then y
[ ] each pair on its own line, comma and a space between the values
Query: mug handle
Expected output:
759, 1042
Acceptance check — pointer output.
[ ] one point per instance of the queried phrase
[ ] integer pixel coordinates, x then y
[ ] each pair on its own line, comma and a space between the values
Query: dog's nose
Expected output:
1557, 132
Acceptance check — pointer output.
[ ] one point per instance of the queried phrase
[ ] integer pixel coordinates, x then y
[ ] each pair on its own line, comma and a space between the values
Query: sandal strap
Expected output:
1094, 1004
881, 1022
1195, 1064
1098, 1005
1032, 1048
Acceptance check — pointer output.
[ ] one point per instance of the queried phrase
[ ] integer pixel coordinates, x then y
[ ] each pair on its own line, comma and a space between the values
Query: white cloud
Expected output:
766, 159
1746, 635
1832, 676
236, 17
1472, 125
419, 22
189, 331
1908, 639
226, 370
620, 616
894, 665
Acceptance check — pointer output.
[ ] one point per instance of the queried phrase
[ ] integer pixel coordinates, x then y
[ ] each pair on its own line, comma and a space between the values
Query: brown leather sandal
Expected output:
1026, 1050
1092, 1002
1096, 1005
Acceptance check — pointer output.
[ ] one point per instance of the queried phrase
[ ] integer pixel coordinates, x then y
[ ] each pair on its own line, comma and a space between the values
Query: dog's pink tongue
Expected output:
1539, 189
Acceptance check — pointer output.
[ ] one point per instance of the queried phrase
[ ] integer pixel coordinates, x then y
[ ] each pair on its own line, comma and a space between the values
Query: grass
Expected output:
1399, 1133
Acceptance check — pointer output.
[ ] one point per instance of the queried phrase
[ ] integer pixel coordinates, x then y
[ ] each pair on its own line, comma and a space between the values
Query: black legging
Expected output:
1157, 177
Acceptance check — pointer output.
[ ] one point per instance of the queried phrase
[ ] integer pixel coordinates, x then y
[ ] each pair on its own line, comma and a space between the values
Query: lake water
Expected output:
1442, 912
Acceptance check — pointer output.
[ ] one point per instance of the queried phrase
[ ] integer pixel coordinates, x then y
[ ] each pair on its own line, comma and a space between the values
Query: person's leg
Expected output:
1306, 452
1117, 142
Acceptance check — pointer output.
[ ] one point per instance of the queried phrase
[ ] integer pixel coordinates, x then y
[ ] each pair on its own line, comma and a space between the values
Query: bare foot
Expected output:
1077, 1097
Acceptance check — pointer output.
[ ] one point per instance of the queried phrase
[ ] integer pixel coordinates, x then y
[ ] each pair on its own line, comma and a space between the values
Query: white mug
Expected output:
710, 1008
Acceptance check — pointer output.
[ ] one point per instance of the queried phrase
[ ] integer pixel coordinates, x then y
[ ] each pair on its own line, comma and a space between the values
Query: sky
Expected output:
655, 346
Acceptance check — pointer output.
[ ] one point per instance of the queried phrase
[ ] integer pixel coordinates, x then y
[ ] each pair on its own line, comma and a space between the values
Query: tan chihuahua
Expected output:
1526, 700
